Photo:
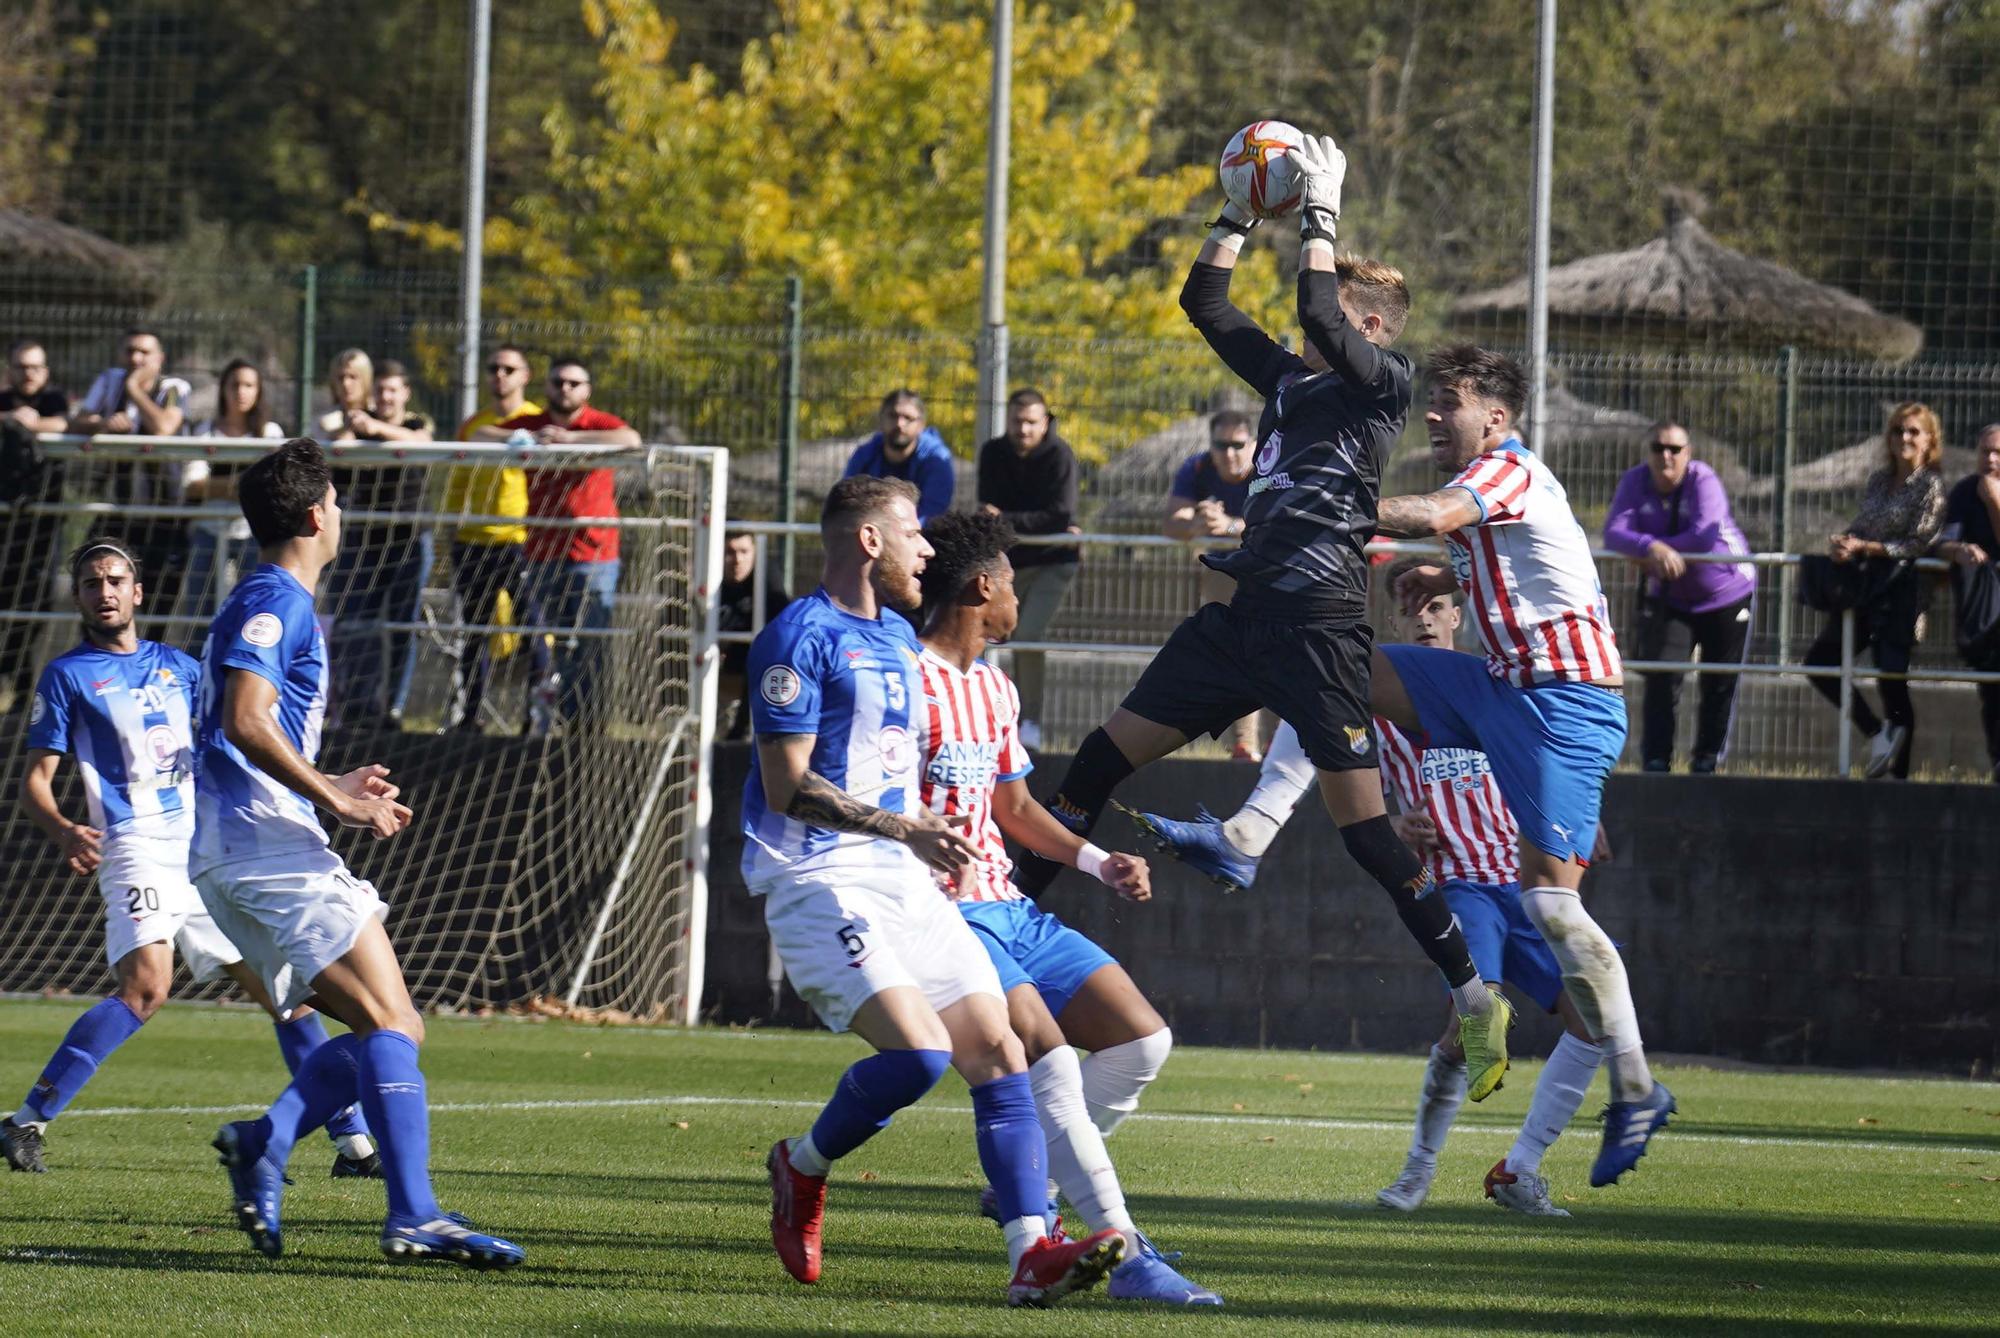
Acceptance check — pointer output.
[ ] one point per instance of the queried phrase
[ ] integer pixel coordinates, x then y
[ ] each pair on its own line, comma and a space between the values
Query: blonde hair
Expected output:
351, 357
1375, 288
1927, 418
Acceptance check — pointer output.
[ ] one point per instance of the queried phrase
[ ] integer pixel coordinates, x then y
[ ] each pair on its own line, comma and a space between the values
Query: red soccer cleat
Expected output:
798, 1202
1050, 1271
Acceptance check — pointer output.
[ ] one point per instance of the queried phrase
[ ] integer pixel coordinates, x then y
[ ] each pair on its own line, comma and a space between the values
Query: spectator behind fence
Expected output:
380, 574
1206, 501
29, 403
220, 549
1902, 510
486, 556
572, 571
736, 604
907, 447
1971, 541
1028, 477
1671, 505
139, 397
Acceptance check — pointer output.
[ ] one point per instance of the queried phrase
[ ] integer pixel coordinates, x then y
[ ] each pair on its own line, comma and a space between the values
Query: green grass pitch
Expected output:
629, 1162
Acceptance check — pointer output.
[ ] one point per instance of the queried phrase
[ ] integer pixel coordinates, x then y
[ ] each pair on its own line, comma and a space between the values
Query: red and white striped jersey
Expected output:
1527, 572
1477, 839
974, 743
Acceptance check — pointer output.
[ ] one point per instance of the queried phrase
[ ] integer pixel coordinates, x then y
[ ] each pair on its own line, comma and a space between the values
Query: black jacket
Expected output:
1036, 492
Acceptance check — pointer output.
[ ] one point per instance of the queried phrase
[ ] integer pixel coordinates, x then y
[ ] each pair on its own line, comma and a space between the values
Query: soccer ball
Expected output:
1257, 172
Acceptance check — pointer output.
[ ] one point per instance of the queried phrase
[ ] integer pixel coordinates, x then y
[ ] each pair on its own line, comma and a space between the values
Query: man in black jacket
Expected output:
1294, 639
1028, 477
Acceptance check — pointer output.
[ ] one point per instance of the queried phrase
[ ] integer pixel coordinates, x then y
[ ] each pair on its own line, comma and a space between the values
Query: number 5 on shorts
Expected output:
850, 939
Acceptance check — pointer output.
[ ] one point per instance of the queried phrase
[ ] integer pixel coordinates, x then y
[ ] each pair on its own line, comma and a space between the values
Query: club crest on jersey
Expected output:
897, 753
780, 685
1267, 454
163, 747
38, 710
264, 630
1357, 739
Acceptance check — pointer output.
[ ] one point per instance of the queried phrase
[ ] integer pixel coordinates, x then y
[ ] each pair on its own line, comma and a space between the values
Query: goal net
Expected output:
548, 718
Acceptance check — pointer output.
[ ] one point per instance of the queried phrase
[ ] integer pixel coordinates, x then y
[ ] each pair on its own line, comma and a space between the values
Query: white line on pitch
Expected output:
1153, 1117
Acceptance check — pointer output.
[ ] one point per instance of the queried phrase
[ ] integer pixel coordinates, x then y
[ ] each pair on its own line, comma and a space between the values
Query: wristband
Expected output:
1090, 860
1230, 233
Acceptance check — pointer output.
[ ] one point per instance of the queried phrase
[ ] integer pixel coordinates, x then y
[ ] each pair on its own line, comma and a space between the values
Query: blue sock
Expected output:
91, 1039
392, 1095
298, 1038
1012, 1150
870, 1092
326, 1083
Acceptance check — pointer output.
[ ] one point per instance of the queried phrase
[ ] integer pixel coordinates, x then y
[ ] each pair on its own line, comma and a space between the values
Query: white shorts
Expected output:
843, 943
148, 899
293, 915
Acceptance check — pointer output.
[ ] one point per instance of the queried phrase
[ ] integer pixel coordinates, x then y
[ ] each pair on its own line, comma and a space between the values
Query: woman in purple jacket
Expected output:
1668, 507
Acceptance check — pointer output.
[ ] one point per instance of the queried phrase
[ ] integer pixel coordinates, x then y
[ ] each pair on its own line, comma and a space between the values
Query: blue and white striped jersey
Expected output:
267, 627
128, 721
855, 684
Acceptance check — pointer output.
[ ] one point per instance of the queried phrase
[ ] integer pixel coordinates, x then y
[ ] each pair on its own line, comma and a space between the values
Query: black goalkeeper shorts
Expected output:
1221, 665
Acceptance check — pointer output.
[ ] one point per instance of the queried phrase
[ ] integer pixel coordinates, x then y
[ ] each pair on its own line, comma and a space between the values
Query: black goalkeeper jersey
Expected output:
1321, 445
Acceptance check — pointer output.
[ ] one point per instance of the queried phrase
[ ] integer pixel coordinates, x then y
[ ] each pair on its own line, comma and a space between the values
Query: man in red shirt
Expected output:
571, 574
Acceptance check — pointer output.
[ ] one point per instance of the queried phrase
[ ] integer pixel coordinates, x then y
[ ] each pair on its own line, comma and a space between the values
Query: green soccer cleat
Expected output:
1484, 1037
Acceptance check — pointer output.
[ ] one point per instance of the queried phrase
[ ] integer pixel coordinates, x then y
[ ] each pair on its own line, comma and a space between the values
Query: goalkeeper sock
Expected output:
1097, 769
398, 1109
1376, 848
297, 1039
1282, 781
90, 1040
328, 1081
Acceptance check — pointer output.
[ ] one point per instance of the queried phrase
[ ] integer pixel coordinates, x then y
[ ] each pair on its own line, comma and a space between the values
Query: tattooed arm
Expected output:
1441, 512
793, 788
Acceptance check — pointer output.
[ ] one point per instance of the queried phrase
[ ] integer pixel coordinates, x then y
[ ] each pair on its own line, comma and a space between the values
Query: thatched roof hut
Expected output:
1685, 288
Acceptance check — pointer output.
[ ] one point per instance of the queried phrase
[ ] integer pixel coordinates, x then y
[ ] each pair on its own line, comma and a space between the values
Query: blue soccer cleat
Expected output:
449, 1237
1628, 1127
257, 1186
1147, 1276
989, 1206
1200, 845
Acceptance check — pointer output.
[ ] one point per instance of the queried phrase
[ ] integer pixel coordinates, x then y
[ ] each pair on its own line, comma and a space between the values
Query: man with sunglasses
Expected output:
571, 575
1668, 507
486, 555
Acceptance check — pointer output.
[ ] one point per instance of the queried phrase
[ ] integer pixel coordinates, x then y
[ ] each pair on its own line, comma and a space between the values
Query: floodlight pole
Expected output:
479, 60
1538, 266
990, 418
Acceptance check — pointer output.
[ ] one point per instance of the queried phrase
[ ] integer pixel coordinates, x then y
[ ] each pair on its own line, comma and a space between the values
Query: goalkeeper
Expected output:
1293, 639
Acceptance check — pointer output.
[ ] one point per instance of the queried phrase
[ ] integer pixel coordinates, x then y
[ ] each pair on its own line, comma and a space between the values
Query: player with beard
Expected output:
843, 851
1293, 639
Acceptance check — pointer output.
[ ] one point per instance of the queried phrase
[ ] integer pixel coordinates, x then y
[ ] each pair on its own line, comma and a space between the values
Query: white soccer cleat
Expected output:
1523, 1192
1412, 1187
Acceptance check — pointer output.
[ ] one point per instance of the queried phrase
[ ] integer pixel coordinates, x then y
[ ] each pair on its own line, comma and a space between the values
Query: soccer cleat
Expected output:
1484, 1039
21, 1144
1147, 1276
357, 1168
798, 1204
1050, 1271
1200, 845
1524, 1192
449, 1237
1412, 1187
1628, 1127
257, 1186
989, 1206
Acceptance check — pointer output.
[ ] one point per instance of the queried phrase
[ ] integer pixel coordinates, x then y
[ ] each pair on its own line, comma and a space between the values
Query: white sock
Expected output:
1594, 975
1558, 1095
1114, 1077
806, 1158
354, 1147
1077, 1159
1474, 996
1022, 1234
24, 1118
1438, 1101
1282, 781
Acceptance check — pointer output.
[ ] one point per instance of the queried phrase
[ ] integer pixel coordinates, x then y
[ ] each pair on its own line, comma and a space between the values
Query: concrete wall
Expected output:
1821, 922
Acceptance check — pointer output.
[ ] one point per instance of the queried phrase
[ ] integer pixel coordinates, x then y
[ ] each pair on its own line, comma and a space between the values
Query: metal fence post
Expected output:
1788, 442
1846, 753
308, 343
788, 426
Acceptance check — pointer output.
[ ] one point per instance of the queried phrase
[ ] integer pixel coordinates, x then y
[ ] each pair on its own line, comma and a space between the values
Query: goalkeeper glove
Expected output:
1324, 167
1231, 227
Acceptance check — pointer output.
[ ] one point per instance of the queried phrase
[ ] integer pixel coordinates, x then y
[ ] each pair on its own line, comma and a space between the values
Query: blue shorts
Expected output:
1029, 946
1504, 942
1551, 747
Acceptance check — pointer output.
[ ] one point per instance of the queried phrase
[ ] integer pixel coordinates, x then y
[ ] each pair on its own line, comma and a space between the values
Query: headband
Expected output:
105, 547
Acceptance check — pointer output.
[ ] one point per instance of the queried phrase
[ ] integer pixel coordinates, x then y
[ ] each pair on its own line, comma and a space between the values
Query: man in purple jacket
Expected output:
1670, 506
